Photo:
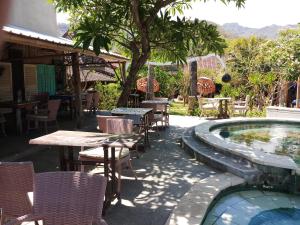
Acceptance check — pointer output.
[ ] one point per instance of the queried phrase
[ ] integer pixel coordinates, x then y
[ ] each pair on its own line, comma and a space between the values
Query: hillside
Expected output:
270, 32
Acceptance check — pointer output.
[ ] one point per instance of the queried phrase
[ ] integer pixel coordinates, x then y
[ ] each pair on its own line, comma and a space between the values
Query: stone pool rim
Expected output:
203, 132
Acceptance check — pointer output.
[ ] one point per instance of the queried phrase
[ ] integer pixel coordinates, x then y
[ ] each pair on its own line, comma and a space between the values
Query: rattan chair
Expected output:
16, 180
87, 101
96, 99
155, 115
62, 198
114, 126
45, 116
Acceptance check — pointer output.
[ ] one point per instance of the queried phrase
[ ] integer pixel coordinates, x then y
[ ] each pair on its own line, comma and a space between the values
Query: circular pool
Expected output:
273, 137
263, 141
255, 207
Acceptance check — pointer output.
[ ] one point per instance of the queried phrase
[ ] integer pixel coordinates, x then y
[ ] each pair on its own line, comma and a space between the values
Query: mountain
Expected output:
269, 32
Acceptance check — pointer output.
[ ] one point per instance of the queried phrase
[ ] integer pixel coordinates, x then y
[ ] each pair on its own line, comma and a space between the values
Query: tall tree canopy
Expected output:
141, 27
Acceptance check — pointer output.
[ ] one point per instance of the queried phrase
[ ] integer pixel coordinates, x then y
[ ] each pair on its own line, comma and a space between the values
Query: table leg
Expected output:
220, 109
19, 120
71, 158
109, 189
226, 110
62, 159
146, 125
113, 172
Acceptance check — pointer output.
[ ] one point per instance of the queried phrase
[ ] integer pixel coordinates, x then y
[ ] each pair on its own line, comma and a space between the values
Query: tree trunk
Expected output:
136, 65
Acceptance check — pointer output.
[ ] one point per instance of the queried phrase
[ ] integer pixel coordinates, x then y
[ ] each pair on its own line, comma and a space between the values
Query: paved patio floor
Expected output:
165, 173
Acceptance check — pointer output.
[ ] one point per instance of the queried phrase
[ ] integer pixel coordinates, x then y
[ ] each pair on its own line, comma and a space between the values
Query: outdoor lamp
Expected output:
226, 78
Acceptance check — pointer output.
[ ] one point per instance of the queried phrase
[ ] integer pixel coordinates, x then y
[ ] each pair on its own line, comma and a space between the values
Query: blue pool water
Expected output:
277, 217
255, 207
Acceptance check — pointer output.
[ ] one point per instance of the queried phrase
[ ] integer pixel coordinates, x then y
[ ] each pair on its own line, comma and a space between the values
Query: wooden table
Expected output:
69, 139
141, 112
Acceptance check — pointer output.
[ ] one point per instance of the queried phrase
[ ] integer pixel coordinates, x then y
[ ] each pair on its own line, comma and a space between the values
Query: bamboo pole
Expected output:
298, 93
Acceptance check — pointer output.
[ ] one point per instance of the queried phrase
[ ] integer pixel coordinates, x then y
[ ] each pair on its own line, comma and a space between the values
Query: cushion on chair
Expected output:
98, 153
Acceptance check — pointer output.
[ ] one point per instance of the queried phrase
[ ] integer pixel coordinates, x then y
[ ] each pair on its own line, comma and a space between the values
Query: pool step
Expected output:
207, 154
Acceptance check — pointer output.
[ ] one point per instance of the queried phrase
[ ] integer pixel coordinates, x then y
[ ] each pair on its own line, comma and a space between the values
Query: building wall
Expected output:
34, 15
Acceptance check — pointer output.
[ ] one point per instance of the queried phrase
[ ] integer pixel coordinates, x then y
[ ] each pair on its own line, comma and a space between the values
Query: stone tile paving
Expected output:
255, 207
165, 173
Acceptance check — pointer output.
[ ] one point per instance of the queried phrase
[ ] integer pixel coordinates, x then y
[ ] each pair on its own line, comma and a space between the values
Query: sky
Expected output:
255, 14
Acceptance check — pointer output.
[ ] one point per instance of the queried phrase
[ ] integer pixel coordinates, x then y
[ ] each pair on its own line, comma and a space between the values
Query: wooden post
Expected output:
193, 78
298, 93
193, 103
283, 94
150, 85
77, 89
123, 72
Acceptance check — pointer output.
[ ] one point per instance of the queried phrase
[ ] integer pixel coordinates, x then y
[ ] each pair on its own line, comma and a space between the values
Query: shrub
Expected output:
109, 94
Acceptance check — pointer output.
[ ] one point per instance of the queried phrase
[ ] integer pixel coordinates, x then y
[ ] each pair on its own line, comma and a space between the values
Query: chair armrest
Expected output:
239, 102
43, 111
60, 218
25, 218
30, 197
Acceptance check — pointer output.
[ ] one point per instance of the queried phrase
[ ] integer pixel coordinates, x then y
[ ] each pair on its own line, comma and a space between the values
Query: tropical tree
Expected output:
141, 27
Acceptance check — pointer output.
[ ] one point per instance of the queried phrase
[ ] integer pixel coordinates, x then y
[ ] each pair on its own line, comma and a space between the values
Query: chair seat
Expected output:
40, 117
239, 107
209, 106
98, 154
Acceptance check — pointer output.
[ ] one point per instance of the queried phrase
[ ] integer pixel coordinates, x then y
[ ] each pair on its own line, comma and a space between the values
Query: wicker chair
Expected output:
114, 126
206, 106
16, 180
87, 101
45, 116
155, 115
96, 99
241, 107
62, 198
102, 121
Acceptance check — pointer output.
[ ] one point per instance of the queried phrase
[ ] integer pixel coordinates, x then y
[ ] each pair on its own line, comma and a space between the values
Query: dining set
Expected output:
223, 105
47, 196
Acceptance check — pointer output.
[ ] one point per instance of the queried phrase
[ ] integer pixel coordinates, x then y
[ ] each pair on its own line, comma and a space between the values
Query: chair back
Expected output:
247, 100
161, 98
162, 108
151, 106
119, 126
53, 106
77, 193
102, 122
42, 97
96, 98
89, 101
16, 180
